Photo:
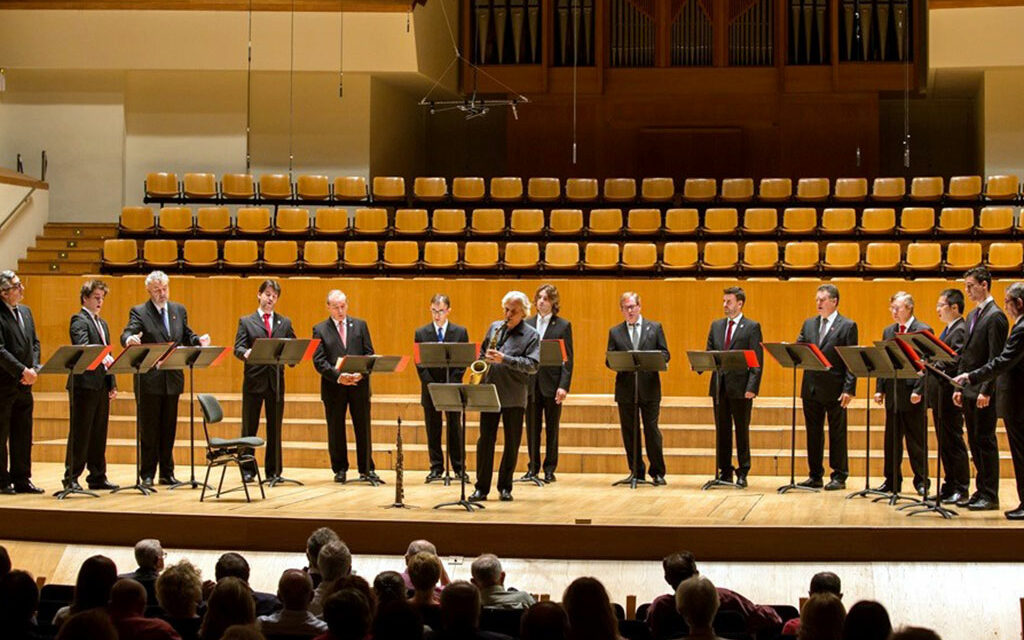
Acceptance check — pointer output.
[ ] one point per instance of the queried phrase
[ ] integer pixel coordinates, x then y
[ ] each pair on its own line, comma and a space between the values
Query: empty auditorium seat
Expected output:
605, 222
313, 187
388, 188
199, 186
838, 220
350, 188
799, 220
601, 256
200, 254
506, 189
967, 188
1000, 188
468, 189
279, 255
700, 189
619, 189
923, 256
175, 221
430, 189
720, 256
481, 255
370, 221
137, 220
448, 222
487, 222
360, 254
581, 190
275, 186
684, 222
812, 189
800, 256
120, 252
841, 256
440, 255
320, 255
760, 221
237, 186
995, 220
639, 256
565, 222
1002, 256
543, 189
876, 221
522, 255
680, 256
561, 255
527, 222
879, 256
775, 189
160, 253
252, 220
917, 220
291, 221
927, 189
850, 189
961, 256
213, 221
329, 222
162, 185
760, 256
411, 221
737, 190
888, 189
241, 254
401, 254
643, 221
959, 220
657, 190
720, 221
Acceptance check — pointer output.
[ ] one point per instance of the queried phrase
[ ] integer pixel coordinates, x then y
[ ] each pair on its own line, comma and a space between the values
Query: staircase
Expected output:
68, 249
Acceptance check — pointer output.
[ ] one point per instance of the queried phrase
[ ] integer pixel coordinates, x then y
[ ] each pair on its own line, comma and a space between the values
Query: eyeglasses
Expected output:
437, 312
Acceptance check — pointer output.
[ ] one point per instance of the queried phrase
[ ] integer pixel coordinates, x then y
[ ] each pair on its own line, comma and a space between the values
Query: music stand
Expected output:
449, 355
905, 364
74, 360
462, 398
552, 354
178, 359
635, 362
866, 362
719, 362
138, 359
367, 365
278, 352
796, 355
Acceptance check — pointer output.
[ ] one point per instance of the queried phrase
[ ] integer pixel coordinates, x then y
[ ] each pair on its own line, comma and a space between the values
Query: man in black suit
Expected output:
639, 334
735, 396
341, 335
549, 387
260, 381
986, 336
827, 393
92, 392
441, 330
949, 418
1008, 368
159, 320
19, 361
905, 414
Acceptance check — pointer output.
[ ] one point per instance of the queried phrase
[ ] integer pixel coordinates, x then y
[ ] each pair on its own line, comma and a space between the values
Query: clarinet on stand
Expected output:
399, 472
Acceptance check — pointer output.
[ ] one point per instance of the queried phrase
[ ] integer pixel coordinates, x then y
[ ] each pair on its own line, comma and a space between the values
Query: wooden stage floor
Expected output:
579, 517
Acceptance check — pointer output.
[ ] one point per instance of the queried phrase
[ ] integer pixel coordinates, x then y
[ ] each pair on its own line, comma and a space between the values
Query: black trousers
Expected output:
16, 435
730, 411
336, 405
949, 424
432, 418
87, 440
649, 412
512, 421
981, 437
910, 425
1015, 432
542, 413
158, 415
252, 403
814, 418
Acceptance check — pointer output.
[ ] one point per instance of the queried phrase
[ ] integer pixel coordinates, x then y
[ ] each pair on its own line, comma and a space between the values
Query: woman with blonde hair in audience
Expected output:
179, 590
242, 632
230, 603
92, 588
590, 612
424, 573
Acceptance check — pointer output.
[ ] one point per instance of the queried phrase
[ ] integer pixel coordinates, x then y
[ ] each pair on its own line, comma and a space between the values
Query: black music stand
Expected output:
720, 361
552, 354
449, 355
278, 352
74, 360
178, 359
904, 368
931, 350
138, 359
635, 362
367, 365
796, 355
462, 398
866, 362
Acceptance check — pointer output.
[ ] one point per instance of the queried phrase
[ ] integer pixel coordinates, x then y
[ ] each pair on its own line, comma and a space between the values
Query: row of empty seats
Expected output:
768, 256
278, 187
910, 221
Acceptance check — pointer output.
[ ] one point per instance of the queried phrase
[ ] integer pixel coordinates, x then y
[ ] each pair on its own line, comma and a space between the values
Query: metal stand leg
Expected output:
462, 501
793, 486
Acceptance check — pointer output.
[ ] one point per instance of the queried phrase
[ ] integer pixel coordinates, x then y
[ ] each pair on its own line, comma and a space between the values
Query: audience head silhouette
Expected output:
697, 602
590, 612
867, 620
678, 567
822, 618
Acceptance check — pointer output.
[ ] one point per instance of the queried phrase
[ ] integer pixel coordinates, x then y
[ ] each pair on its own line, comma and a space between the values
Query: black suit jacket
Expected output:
827, 386
984, 343
19, 350
746, 336
357, 335
1007, 369
652, 338
550, 379
904, 386
83, 332
146, 318
939, 390
259, 378
428, 333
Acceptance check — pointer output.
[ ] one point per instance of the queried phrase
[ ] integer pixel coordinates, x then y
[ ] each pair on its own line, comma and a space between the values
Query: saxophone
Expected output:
478, 368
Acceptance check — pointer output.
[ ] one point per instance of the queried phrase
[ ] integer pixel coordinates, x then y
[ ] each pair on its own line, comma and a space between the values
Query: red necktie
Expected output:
902, 329
266, 323
342, 332
728, 334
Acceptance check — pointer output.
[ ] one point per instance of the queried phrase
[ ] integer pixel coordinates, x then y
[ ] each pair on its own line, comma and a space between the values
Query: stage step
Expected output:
79, 230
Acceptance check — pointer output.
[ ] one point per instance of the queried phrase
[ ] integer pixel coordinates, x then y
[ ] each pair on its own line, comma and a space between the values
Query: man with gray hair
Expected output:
515, 356
697, 602
341, 335
334, 562
149, 556
19, 362
159, 320
314, 543
489, 578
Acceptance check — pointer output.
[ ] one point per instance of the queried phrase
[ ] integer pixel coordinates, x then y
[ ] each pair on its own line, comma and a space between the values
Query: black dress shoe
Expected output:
965, 501
168, 480
658, 481
983, 504
725, 477
248, 477
529, 475
1015, 514
73, 485
340, 477
811, 483
433, 475
26, 487
462, 476
921, 488
885, 487
629, 479
8, 490
505, 495
550, 477
835, 485
954, 497
476, 496
741, 480
103, 485
146, 482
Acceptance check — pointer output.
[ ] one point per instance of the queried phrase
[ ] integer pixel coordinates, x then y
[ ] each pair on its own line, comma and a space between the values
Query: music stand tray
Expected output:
635, 362
461, 398
446, 355
868, 363
552, 354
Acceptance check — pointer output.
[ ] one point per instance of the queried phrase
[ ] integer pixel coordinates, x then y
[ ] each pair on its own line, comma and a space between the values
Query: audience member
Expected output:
19, 600
665, 622
242, 632
179, 590
418, 546
233, 565
397, 619
697, 603
149, 555
544, 621
822, 618
91, 624
359, 583
314, 544
914, 633
390, 587
460, 615
823, 582
5, 561
295, 591
590, 612
489, 578
128, 612
230, 603
92, 588
348, 615
867, 620
334, 562
425, 571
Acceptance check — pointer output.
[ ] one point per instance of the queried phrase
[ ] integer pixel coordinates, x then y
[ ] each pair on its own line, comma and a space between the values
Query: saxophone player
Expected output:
511, 350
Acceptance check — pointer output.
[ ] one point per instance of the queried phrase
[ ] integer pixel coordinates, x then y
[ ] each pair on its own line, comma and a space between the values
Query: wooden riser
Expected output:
64, 254
83, 230
51, 267
56, 244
